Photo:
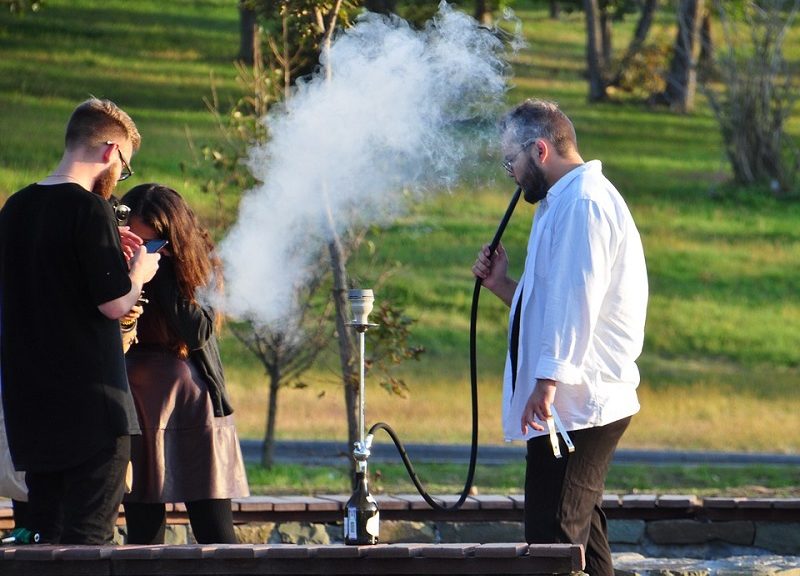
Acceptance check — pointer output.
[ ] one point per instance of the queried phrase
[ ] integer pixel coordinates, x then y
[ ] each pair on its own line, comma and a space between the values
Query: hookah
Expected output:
361, 522
362, 509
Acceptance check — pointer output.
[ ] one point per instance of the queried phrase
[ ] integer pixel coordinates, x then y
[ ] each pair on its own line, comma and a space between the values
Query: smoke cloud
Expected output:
392, 114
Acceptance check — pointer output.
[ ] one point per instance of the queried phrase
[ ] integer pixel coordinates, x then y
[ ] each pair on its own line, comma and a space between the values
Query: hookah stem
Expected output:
473, 365
361, 418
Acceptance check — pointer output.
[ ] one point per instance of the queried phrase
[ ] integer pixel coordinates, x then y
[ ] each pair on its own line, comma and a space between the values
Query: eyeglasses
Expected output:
508, 163
126, 172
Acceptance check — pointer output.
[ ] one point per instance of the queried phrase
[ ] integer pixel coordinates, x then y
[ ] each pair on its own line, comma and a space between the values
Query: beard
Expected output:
104, 184
534, 184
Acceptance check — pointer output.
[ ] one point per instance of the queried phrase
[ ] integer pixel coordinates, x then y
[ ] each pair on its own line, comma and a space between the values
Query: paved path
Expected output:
326, 452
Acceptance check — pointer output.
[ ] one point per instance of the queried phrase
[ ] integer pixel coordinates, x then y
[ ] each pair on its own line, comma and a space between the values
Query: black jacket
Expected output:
191, 323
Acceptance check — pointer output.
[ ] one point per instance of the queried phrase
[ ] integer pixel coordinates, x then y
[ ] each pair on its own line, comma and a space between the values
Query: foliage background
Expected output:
720, 366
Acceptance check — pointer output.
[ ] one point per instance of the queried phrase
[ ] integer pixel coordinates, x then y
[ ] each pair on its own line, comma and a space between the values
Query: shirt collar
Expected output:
566, 179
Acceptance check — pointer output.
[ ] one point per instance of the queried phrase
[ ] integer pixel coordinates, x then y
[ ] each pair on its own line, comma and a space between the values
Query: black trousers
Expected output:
563, 496
20, 509
79, 505
211, 520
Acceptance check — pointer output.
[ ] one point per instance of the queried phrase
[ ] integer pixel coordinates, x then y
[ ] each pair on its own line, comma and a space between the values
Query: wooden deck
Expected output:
488, 508
289, 559
390, 559
492, 508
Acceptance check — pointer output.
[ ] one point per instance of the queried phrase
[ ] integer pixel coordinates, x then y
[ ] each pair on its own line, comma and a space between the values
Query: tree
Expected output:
681, 82
600, 14
637, 43
240, 128
759, 92
286, 351
348, 356
390, 347
288, 348
705, 63
595, 54
248, 26
295, 33
483, 11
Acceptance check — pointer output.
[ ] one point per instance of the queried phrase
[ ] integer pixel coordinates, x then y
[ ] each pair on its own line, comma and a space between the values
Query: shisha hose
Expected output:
473, 372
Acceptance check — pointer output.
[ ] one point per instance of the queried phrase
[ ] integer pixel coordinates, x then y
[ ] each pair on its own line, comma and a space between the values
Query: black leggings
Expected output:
211, 520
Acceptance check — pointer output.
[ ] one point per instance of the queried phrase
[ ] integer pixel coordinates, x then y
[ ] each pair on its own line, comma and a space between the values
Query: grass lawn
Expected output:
721, 364
447, 479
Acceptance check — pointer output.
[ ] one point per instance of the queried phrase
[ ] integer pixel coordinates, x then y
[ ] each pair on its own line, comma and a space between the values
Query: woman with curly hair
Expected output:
189, 450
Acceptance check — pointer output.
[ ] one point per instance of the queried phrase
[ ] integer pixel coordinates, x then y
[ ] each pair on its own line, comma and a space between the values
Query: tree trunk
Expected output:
594, 52
347, 348
605, 32
706, 58
682, 78
644, 24
483, 12
247, 34
268, 450
287, 65
555, 9
381, 6
639, 36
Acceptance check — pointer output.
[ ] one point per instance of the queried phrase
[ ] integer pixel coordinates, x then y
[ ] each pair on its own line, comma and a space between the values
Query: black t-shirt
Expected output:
65, 390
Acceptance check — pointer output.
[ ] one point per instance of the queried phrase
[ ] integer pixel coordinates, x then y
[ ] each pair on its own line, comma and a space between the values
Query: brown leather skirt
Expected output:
184, 452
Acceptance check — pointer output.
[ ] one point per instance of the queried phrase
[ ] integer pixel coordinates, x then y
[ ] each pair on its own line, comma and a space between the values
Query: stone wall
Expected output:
661, 538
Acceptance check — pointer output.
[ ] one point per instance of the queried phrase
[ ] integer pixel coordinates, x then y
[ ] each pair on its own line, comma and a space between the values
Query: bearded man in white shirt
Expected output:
576, 328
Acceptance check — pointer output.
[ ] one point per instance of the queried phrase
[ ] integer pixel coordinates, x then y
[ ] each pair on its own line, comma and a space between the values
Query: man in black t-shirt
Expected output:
64, 283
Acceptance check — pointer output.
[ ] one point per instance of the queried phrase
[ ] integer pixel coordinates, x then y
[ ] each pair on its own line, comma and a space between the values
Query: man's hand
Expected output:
538, 405
130, 242
492, 269
144, 266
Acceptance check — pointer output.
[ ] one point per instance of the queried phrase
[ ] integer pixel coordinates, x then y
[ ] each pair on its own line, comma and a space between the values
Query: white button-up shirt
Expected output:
584, 298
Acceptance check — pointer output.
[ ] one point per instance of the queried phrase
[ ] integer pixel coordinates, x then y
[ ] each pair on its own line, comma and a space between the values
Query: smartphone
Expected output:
155, 245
